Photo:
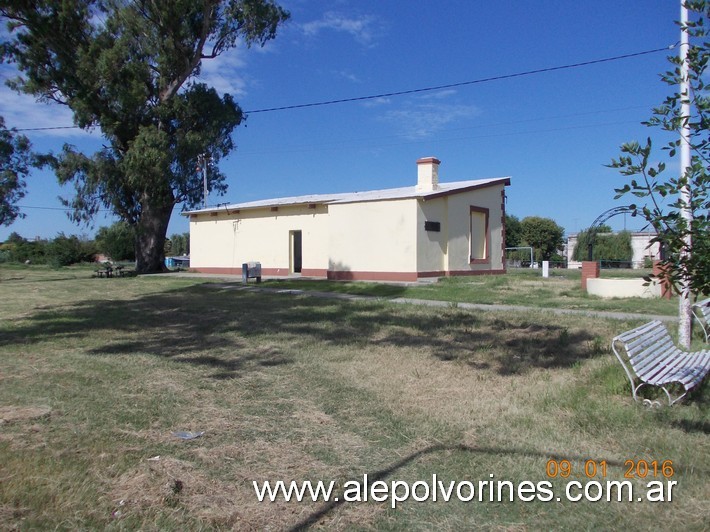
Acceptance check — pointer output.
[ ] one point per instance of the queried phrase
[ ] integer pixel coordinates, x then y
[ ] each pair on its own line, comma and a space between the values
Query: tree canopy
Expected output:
117, 241
180, 244
128, 68
608, 247
543, 234
15, 160
513, 231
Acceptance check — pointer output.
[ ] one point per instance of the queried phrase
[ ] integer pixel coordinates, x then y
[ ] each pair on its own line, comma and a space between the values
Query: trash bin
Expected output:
251, 270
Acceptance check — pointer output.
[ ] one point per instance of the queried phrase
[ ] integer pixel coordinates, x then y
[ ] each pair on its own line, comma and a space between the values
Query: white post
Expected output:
684, 306
545, 268
203, 162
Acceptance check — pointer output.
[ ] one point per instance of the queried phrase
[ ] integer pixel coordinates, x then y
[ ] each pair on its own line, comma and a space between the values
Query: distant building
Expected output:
643, 250
402, 234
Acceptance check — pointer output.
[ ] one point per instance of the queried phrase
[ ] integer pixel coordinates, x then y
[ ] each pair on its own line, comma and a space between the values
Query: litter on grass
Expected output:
188, 435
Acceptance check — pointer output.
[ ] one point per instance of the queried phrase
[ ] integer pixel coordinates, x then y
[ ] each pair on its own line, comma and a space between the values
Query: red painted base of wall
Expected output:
371, 276
314, 272
350, 275
590, 270
456, 273
666, 290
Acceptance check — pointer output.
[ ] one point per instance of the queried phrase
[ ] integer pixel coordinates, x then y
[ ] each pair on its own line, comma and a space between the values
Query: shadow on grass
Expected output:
231, 330
381, 474
339, 287
692, 426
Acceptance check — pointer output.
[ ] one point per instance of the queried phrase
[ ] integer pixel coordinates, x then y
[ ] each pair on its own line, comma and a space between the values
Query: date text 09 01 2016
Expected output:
593, 468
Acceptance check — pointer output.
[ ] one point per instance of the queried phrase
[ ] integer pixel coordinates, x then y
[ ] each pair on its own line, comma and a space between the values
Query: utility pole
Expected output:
203, 160
684, 306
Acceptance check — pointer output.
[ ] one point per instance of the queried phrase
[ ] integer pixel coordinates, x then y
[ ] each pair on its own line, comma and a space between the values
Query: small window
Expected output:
479, 238
432, 226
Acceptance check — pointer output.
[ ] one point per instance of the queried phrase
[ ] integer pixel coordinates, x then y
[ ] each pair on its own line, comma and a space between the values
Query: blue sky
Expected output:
552, 133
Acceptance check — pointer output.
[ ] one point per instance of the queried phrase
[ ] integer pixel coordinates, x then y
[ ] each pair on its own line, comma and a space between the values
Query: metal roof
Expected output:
444, 189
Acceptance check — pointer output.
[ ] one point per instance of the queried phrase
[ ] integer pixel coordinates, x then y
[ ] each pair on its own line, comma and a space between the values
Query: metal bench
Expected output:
649, 356
701, 312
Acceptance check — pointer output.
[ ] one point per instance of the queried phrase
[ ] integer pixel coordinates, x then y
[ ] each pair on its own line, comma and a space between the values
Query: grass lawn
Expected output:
523, 287
97, 374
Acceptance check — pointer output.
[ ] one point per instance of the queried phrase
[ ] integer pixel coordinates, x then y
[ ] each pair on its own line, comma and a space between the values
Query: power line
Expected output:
462, 83
428, 89
67, 209
46, 128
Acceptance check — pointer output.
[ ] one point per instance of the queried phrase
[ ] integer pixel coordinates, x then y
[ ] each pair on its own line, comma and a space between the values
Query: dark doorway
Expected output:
296, 251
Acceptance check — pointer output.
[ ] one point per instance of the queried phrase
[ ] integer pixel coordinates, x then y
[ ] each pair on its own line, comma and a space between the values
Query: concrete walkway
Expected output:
235, 283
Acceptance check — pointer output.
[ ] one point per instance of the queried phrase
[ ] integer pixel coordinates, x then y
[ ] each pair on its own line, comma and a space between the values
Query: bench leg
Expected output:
635, 389
671, 401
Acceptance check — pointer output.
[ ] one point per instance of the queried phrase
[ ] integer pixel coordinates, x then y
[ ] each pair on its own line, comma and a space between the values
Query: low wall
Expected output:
609, 288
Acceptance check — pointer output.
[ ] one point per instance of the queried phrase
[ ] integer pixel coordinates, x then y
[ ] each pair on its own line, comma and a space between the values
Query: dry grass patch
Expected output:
10, 414
294, 388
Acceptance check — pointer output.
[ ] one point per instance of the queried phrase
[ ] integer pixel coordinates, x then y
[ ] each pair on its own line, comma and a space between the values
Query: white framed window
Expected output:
479, 235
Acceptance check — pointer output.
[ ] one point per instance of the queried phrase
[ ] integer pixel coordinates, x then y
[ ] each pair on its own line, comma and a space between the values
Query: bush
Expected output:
117, 241
65, 250
608, 247
180, 244
21, 250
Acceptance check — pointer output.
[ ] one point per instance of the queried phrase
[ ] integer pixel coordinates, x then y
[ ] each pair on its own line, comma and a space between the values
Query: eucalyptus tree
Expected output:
15, 162
129, 68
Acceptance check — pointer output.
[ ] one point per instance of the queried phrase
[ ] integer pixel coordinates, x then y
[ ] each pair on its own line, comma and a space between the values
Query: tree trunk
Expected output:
150, 236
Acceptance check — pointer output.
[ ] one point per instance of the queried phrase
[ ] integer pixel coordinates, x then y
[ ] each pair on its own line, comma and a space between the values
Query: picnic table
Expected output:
104, 272
122, 271
114, 271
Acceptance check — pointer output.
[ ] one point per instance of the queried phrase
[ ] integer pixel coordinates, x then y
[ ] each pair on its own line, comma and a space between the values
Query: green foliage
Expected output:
15, 159
65, 250
19, 249
663, 204
543, 234
129, 68
513, 231
61, 251
606, 246
117, 241
180, 244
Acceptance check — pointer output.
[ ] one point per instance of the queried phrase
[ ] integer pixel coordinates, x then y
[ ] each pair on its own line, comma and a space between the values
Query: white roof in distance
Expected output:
443, 189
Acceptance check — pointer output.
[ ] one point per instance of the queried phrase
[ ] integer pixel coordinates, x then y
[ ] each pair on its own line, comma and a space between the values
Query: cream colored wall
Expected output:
432, 247
375, 236
227, 241
378, 236
619, 288
459, 208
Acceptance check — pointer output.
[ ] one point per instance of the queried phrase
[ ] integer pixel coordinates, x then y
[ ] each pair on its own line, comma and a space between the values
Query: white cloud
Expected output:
346, 74
22, 111
364, 28
421, 120
376, 102
221, 73
438, 95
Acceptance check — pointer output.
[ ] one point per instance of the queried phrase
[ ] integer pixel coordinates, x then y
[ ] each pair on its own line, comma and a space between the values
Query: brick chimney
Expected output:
427, 174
